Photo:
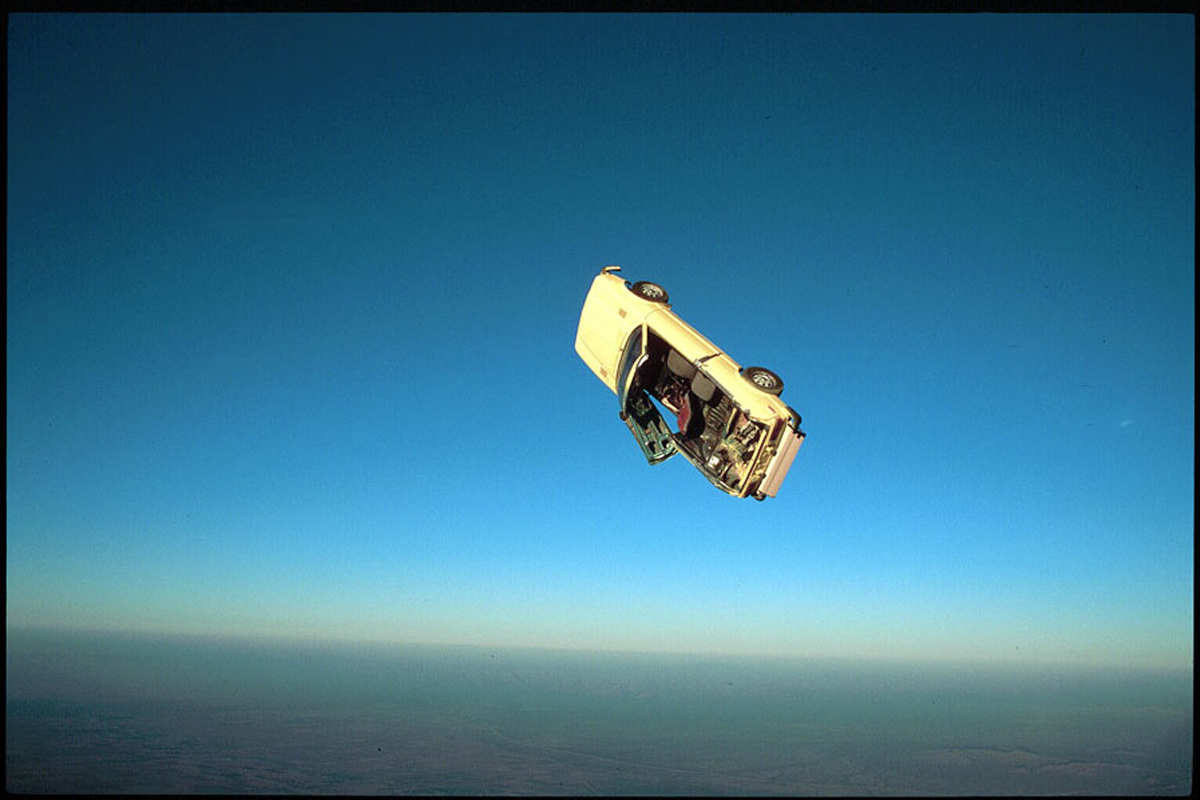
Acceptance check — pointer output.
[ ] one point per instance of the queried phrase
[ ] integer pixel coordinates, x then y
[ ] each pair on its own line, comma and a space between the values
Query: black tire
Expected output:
764, 380
649, 291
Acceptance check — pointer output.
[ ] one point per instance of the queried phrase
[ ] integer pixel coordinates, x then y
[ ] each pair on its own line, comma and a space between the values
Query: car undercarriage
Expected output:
713, 433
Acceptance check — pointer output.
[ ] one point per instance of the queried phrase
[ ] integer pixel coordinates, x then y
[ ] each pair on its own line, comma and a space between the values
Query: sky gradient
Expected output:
292, 303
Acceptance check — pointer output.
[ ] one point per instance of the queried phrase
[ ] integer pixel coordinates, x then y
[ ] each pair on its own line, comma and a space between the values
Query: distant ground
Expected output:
87, 713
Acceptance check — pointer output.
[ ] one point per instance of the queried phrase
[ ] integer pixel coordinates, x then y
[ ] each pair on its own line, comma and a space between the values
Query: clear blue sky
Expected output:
292, 303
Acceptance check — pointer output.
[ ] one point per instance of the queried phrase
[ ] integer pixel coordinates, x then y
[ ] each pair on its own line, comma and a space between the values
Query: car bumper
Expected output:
778, 468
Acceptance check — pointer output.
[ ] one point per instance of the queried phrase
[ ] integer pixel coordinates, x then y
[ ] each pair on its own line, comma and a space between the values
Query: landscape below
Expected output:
104, 713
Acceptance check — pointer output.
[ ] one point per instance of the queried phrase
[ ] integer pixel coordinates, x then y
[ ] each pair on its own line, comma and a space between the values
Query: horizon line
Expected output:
299, 640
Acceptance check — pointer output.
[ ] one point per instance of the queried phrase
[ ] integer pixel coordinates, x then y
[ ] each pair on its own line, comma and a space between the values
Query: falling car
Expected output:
731, 423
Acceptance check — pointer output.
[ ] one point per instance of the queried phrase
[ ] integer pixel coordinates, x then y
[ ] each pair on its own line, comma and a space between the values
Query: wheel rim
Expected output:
652, 291
763, 380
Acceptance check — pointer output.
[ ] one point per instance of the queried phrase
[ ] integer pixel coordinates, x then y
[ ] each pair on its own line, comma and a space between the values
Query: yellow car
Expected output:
731, 423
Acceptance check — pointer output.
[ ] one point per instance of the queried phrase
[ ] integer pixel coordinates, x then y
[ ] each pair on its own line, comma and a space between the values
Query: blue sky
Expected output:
292, 304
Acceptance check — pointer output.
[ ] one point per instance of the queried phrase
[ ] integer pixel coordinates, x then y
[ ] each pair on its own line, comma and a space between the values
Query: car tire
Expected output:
649, 291
764, 380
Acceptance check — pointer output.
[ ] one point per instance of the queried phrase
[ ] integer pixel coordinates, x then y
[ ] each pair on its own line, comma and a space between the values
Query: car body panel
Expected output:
610, 312
741, 438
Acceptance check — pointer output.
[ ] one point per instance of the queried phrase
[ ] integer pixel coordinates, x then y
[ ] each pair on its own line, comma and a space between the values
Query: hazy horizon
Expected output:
291, 640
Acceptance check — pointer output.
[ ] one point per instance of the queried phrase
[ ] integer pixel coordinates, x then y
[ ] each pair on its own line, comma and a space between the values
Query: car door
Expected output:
636, 409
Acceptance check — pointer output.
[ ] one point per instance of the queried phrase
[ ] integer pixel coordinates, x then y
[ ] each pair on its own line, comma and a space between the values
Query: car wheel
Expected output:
649, 291
764, 379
